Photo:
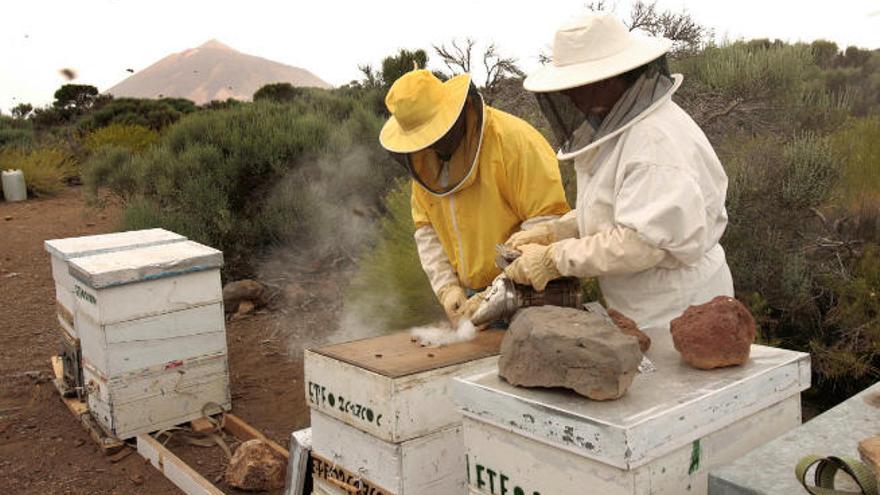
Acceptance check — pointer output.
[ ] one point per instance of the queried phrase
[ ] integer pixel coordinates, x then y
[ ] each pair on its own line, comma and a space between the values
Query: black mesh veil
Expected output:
574, 130
443, 176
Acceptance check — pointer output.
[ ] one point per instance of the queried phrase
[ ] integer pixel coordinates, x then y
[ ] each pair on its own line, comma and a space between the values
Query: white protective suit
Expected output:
650, 212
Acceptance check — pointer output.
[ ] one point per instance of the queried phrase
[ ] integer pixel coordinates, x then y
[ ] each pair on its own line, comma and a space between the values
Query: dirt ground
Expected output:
43, 449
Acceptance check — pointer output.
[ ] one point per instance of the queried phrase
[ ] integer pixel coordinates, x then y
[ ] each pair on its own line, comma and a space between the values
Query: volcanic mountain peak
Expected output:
211, 71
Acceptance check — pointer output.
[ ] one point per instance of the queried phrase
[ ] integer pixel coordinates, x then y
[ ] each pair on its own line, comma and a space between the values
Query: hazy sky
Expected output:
100, 39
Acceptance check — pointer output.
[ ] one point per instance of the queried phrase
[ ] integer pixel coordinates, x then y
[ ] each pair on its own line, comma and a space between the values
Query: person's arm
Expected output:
658, 211
434, 260
532, 185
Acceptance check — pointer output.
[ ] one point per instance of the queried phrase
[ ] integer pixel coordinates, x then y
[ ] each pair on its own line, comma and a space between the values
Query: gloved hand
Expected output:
535, 267
473, 303
453, 299
539, 234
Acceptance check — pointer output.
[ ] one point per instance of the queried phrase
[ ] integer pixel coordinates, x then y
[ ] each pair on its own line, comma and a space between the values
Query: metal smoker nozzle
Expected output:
504, 298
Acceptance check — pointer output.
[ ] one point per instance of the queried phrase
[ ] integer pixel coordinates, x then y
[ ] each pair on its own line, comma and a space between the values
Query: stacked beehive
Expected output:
64, 250
150, 322
383, 418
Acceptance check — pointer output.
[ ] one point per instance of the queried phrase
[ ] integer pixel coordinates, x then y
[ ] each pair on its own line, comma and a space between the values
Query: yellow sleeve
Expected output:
420, 218
534, 182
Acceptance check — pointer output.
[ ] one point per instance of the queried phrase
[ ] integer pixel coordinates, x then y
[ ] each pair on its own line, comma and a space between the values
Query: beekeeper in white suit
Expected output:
650, 189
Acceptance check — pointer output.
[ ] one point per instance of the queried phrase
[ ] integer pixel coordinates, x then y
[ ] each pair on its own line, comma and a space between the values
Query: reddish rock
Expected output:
256, 467
716, 334
629, 327
869, 451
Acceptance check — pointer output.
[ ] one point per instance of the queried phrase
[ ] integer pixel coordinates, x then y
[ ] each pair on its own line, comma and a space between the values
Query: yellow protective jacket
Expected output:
515, 178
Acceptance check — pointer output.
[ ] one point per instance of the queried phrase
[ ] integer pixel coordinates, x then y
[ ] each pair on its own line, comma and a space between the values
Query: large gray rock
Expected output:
550, 346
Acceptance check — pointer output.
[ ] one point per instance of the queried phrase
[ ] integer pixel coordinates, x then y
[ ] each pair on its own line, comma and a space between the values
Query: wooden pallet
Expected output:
109, 444
180, 473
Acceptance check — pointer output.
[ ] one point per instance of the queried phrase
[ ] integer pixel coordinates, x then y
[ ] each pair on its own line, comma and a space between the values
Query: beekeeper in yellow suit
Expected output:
479, 175
650, 189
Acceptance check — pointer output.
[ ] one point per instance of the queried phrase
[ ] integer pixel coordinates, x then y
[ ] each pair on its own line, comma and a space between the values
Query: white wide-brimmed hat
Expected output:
592, 48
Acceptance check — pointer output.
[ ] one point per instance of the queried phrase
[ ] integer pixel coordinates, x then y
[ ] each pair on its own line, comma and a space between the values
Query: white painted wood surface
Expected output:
142, 264
429, 465
177, 471
392, 409
131, 345
62, 250
150, 298
159, 397
75, 247
661, 412
501, 462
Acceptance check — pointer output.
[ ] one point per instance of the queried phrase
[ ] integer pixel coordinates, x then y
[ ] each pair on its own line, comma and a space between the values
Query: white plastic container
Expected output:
14, 188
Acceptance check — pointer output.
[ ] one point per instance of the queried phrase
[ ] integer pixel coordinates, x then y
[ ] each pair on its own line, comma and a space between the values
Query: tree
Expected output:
22, 110
279, 92
687, 35
458, 59
78, 97
397, 65
393, 66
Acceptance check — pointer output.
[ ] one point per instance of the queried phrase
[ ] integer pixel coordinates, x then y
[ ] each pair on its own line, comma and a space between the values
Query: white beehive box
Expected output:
432, 464
153, 335
63, 250
391, 387
660, 438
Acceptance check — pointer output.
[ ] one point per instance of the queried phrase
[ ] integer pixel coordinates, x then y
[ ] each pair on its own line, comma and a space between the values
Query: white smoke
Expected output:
439, 335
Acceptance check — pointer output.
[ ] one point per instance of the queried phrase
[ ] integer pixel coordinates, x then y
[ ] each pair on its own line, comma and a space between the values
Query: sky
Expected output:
100, 39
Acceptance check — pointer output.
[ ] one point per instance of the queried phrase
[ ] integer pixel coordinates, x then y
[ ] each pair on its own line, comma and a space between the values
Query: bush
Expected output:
45, 169
153, 114
134, 138
749, 71
811, 172
858, 146
847, 354
391, 291
254, 175
15, 132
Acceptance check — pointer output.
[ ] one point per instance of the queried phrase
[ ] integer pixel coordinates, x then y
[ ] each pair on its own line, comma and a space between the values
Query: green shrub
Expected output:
111, 168
45, 169
15, 132
858, 147
244, 178
134, 138
154, 114
745, 71
391, 291
811, 173
848, 353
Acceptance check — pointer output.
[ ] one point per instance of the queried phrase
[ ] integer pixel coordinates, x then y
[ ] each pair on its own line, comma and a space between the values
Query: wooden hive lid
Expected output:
397, 355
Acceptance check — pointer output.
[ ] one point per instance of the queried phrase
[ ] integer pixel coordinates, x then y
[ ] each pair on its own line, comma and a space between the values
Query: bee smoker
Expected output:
504, 297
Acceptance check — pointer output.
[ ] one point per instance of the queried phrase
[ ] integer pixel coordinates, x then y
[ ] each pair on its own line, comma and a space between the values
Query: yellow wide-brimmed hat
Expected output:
423, 109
